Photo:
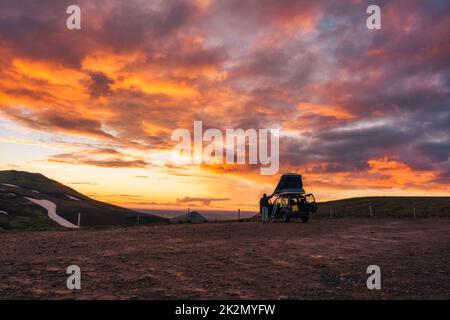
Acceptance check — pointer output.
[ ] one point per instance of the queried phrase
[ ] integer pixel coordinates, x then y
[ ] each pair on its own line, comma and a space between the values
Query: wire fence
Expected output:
374, 211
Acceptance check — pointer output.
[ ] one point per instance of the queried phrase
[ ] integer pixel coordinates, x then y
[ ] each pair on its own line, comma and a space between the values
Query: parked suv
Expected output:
294, 206
290, 200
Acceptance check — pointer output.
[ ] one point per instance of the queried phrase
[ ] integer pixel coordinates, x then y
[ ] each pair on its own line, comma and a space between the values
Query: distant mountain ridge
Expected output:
24, 197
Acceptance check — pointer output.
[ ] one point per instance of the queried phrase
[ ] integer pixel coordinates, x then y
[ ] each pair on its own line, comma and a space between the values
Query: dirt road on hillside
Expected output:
324, 259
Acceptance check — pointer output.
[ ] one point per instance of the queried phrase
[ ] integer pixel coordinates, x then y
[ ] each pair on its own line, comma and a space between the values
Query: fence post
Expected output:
370, 209
138, 219
239, 214
414, 212
79, 219
331, 213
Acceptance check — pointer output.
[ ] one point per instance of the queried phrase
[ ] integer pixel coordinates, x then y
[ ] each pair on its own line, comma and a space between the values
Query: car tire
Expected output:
305, 217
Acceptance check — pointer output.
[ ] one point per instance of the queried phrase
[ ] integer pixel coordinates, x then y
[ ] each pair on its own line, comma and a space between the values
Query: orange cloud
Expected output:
112, 63
306, 22
149, 85
396, 173
324, 110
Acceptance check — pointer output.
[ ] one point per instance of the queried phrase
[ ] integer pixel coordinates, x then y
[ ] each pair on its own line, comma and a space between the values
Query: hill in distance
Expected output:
191, 217
394, 207
27, 199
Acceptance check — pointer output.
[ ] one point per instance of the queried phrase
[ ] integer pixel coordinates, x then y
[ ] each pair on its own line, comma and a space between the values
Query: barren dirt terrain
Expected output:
324, 259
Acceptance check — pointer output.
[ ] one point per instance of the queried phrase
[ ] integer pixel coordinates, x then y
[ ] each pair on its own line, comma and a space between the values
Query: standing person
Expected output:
264, 205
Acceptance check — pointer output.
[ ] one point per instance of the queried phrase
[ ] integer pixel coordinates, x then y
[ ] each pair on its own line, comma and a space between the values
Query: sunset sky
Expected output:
361, 112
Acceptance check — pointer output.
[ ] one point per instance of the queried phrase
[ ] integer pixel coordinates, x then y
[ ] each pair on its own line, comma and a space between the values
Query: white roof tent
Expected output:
290, 183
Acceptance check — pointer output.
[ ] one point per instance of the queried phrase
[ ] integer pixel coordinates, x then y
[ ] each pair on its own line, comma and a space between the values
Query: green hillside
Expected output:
17, 212
386, 207
38, 182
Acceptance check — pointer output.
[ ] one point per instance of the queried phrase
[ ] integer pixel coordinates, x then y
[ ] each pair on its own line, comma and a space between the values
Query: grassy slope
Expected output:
37, 181
387, 207
25, 215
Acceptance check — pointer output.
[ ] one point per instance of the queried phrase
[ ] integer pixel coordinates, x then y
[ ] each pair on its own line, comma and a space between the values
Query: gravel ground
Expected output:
324, 259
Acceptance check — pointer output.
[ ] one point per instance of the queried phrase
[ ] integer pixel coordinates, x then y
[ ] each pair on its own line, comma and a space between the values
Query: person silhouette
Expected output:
264, 205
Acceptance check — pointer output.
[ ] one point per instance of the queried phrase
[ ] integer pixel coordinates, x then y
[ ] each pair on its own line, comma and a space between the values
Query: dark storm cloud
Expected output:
37, 29
131, 24
100, 85
342, 151
436, 151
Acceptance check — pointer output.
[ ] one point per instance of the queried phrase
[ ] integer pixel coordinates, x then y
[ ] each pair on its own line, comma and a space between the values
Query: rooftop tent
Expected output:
290, 183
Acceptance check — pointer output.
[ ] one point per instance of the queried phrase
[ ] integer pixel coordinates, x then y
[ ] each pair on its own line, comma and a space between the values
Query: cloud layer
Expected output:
356, 107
